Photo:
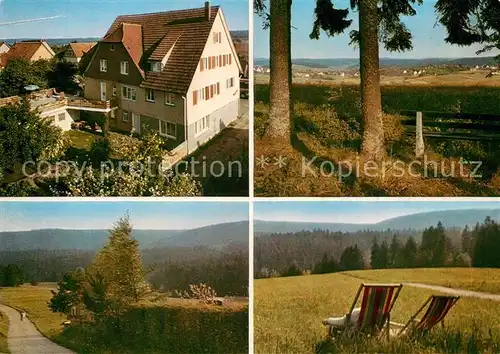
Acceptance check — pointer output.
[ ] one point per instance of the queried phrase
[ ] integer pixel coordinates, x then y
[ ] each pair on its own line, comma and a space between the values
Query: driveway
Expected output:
24, 338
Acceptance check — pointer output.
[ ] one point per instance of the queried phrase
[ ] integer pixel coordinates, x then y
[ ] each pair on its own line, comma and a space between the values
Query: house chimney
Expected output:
208, 11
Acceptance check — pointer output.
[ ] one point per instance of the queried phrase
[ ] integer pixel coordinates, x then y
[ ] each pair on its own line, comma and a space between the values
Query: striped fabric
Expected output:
375, 307
436, 312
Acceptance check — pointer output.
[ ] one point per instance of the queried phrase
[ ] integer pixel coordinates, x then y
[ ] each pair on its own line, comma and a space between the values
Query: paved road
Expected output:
457, 292
24, 338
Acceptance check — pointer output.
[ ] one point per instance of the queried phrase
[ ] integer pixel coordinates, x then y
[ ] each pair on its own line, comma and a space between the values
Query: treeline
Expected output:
173, 269
434, 247
10, 275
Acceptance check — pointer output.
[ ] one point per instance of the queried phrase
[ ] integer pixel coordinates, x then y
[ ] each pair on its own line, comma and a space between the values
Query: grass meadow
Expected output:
4, 331
327, 125
476, 279
288, 314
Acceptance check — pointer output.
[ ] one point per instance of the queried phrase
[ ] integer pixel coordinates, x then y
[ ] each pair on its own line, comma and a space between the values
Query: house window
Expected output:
124, 67
61, 117
155, 66
52, 119
104, 65
125, 116
202, 125
217, 61
129, 93
168, 129
230, 82
169, 99
112, 47
217, 37
150, 95
114, 91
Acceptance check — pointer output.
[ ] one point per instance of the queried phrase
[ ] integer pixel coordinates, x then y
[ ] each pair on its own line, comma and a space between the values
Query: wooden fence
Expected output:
448, 125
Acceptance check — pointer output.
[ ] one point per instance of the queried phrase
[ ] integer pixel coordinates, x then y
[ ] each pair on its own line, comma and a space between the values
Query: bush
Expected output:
175, 329
99, 151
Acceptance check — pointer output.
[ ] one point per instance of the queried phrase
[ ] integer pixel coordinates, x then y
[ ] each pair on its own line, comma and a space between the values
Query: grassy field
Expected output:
4, 331
327, 127
288, 314
475, 279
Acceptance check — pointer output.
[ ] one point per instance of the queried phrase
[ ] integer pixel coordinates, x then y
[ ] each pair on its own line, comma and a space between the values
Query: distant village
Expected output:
335, 73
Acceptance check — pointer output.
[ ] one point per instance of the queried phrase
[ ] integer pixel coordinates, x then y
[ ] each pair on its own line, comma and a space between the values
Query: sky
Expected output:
21, 216
355, 212
428, 38
91, 18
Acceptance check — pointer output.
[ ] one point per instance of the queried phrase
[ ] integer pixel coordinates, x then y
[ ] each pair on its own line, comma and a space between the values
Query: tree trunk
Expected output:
373, 146
280, 60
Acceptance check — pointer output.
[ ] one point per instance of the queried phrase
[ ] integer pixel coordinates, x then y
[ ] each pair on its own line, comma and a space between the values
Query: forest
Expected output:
173, 268
323, 251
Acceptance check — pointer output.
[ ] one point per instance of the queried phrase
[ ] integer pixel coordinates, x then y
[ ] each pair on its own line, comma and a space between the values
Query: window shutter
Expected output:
195, 98
201, 64
218, 88
207, 93
230, 59
220, 60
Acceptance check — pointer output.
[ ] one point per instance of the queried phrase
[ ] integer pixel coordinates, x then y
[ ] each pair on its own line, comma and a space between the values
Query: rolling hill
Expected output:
214, 236
449, 218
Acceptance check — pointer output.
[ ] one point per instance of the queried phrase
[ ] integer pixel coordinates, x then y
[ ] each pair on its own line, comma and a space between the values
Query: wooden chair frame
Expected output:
413, 318
386, 321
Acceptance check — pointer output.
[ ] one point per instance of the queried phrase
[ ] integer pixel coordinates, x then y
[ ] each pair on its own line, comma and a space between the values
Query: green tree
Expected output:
25, 136
487, 245
470, 22
394, 252
375, 255
326, 265
352, 259
384, 255
379, 21
69, 292
292, 271
62, 76
410, 250
17, 74
120, 264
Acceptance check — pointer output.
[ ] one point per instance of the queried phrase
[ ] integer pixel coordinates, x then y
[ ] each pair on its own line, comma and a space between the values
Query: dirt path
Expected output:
24, 338
458, 292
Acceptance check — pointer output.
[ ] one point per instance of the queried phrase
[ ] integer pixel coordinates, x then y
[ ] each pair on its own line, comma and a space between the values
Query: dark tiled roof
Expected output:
187, 29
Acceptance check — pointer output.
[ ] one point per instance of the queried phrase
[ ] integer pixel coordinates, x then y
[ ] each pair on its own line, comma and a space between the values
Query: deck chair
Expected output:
376, 305
439, 306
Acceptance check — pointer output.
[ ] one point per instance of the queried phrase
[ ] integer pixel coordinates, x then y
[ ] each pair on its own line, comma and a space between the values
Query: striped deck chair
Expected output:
376, 305
438, 308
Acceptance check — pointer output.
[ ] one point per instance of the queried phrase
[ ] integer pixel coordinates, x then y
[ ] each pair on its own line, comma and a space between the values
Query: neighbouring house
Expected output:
75, 51
31, 50
61, 110
4, 47
174, 72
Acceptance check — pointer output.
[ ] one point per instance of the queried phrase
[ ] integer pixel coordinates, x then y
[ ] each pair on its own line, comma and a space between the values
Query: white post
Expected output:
419, 144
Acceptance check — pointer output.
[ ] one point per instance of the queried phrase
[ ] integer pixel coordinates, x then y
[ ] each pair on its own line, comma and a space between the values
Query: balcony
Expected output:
80, 103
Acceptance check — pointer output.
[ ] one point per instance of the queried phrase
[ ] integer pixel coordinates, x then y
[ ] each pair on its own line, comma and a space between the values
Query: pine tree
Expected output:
69, 293
375, 255
394, 251
120, 264
352, 259
487, 248
384, 255
410, 250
